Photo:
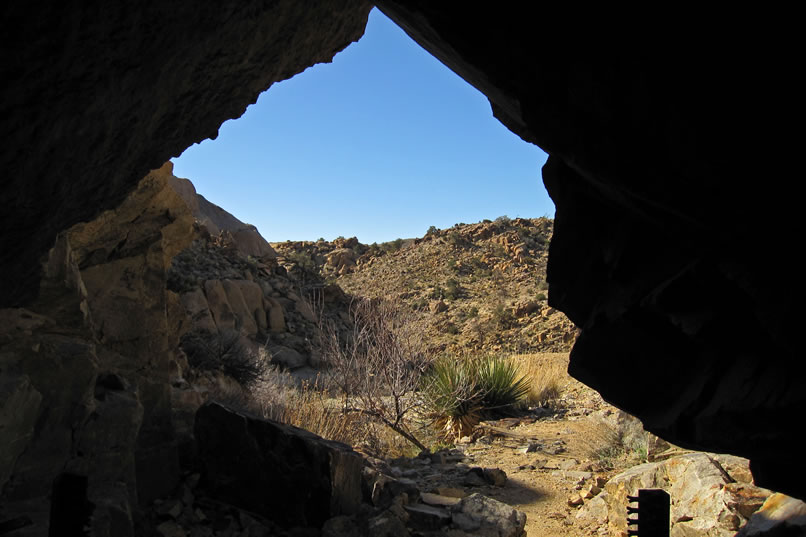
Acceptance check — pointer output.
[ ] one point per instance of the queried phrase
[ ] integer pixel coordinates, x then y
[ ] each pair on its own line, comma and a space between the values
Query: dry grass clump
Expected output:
606, 444
306, 405
547, 375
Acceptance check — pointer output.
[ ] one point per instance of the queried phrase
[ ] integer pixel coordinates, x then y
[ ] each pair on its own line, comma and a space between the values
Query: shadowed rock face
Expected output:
96, 96
688, 303
687, 298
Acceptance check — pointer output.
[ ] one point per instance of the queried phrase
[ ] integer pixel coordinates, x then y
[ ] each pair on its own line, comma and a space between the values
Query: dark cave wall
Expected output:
672, 247
96, 94
689, 307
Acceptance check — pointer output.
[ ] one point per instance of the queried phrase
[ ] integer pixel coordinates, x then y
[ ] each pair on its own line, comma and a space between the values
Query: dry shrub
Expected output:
223, 352
547, 374
281, 398
605, 443
377, 366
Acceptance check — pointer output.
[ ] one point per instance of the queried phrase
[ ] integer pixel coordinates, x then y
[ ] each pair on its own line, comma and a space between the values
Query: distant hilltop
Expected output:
479, 286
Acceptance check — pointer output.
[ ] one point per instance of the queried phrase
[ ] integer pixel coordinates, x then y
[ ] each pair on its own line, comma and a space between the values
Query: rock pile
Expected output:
258, 478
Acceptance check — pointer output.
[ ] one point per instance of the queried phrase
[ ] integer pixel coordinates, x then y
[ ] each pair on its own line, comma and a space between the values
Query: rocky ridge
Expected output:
476, 286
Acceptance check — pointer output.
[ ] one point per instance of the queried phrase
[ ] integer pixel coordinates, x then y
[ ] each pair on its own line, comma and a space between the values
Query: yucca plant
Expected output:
451, 395
502, 388
459, 393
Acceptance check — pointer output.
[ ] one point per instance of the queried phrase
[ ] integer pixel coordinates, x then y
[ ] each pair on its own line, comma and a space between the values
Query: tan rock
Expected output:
244, 237
275, 315
589, 491
737, 468
245, 318
523, 309
453, 492
341, 257
437, 499
195, 304
780, 515
249, 242
219, 305
706, 503
252, 294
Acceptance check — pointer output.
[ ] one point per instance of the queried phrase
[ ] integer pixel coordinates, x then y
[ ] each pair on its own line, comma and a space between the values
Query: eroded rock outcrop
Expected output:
227, 287
245, 238
711, 496
93, 100
86, 369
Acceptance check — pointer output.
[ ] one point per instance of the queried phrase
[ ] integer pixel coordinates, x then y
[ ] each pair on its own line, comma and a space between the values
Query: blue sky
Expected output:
382, 143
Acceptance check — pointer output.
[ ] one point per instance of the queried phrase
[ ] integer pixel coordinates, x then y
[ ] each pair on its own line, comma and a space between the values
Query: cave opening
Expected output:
380, 144
642, 163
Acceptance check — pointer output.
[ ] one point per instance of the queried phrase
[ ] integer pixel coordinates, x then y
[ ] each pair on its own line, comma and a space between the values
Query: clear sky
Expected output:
382, 143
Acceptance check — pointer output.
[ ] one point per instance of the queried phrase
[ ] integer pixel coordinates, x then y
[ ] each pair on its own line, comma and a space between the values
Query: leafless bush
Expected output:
377, 366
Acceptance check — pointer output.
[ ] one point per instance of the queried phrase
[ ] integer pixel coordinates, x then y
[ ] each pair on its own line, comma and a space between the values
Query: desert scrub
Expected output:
302, 259
452, 289
612, 449
451, 397
377, 366
458, 393
502, 317
222, 352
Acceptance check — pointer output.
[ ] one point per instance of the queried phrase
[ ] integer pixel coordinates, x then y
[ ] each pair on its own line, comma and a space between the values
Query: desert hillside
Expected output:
475, 286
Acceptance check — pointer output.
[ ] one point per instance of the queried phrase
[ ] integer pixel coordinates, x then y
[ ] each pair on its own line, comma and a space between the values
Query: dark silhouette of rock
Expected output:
689, 302
288, 475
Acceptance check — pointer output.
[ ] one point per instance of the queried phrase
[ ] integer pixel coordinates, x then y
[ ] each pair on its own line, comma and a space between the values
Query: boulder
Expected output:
219, 305
287, 357
275, 315
283, 473
246, 238
253, 298
706, 501
780, 516
244, 318
195, 304
251, 243
486, 516
341, 258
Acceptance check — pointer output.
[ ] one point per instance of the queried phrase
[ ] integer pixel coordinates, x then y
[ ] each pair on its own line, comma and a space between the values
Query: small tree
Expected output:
378, 365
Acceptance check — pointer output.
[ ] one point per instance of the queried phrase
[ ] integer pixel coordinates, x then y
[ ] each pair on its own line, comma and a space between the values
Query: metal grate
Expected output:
652, 513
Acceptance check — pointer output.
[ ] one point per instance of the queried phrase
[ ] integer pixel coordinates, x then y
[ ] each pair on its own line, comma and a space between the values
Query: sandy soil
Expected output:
548, 457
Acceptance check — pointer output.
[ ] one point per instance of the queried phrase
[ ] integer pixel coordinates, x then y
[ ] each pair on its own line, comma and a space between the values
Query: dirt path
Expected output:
548, 458
542, 492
